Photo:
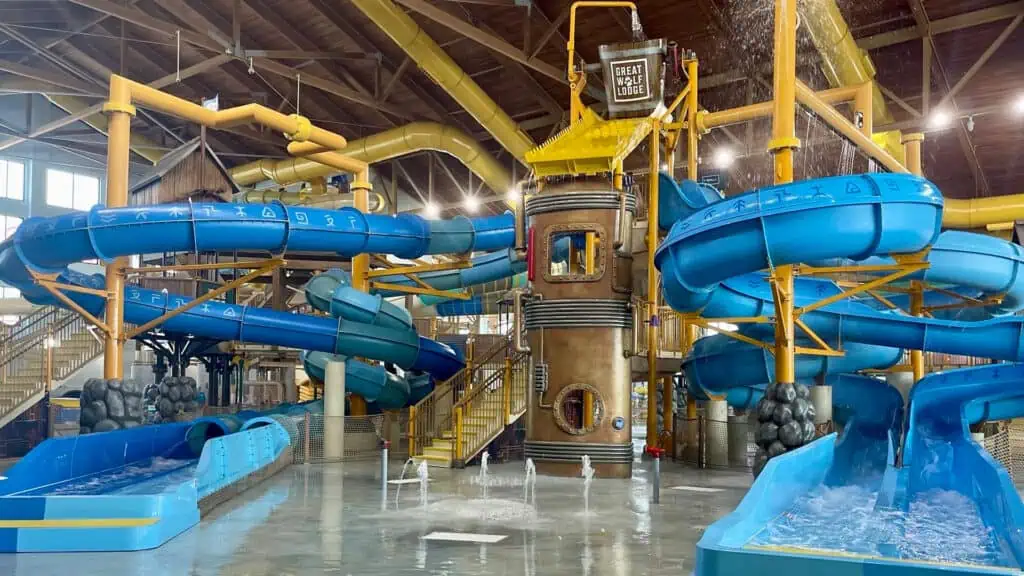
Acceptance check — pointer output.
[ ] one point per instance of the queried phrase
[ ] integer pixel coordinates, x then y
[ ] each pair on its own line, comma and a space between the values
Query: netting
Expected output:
361, 437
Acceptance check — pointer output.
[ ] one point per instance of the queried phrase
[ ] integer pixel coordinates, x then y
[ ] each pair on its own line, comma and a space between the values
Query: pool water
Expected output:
144, 477
939, 525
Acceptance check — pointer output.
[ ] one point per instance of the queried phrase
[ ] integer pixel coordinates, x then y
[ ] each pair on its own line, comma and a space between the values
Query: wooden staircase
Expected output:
43, 348
463, 415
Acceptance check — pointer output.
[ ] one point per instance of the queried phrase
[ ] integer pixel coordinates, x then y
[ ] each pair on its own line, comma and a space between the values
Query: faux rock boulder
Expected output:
110, 405
173, 398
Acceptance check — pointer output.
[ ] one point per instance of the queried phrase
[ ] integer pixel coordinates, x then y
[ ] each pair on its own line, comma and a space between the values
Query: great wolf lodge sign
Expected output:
630, 81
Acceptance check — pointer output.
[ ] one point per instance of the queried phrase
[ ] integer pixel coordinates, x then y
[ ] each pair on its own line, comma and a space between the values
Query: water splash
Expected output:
483, 472
530, 483
587, 471
402, 477
424, 477
940, 525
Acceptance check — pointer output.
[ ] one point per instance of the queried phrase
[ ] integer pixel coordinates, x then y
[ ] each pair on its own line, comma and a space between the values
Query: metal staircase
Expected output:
43, 348
467, 412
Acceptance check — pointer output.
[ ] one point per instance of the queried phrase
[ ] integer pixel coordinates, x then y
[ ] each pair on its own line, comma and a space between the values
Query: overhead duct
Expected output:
383, 146
846, 64
433, 60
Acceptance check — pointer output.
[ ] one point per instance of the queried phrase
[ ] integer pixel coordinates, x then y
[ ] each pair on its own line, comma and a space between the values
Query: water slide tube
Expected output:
48, 245
709, 264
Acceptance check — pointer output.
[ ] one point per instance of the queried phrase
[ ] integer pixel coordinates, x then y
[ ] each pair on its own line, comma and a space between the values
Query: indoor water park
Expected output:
599, 287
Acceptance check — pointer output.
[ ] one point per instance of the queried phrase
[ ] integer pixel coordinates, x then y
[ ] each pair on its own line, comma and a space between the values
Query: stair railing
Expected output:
491, 405
432, 415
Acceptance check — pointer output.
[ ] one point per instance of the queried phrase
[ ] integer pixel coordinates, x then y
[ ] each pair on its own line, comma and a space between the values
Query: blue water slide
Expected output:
50, 244
710, 263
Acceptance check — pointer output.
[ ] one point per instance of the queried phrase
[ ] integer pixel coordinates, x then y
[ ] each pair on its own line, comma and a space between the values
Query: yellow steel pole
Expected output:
784, 142
912, 152
590, 265
506, 399
120, 110
412, 431
862, 108
692, 133
360, 264
652, 285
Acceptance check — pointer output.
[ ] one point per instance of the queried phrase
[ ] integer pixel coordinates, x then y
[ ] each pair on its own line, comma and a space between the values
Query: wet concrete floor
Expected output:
330, 519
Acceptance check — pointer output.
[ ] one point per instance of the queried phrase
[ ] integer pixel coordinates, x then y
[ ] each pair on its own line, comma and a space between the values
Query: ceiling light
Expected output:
724, 158
513, 196
1018, 106
431, 211
940, 119
471, 203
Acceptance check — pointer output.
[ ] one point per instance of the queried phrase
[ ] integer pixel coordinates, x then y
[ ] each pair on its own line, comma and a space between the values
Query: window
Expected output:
575, 254
12, 180
70, 190
8, 224
8, 292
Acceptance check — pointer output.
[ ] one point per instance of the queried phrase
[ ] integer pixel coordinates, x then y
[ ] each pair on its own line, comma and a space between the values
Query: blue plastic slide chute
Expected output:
48, 245
710, 264
124, 490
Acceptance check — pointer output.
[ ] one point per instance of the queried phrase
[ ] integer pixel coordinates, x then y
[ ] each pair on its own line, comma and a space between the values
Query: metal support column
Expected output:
782, 145
912, 153
654, 149
360, 265
120, 110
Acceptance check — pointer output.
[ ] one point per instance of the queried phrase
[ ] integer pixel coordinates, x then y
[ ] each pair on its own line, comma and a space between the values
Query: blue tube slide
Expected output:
50, 244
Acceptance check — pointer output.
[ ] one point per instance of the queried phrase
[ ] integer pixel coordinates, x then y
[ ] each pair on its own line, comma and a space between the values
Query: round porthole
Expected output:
571, 405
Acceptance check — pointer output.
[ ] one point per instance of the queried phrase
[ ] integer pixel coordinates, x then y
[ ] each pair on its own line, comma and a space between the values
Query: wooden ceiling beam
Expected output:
209, 42
944, 25
924, 27
418, 89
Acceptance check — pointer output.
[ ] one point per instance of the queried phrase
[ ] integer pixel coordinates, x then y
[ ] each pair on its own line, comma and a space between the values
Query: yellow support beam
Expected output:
252, 264
420, 268
220, 290
420, 290
905, 270
51, 288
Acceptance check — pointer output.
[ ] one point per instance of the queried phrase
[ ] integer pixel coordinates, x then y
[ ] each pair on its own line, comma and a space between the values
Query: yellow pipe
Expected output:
708, 120
571, 45
692, 134
832, 117
654, 150
980, 212
843, 62
862, 103
120, 110
437, 64
912, 152
917, 308
384, 146
141, 145
377, 202
783, 142
590, 265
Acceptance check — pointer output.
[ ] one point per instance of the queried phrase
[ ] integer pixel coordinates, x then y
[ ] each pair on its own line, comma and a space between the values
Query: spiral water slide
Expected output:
365, 326
711, 263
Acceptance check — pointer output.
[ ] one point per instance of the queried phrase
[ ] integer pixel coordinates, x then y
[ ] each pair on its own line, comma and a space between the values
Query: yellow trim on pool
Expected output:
80, 523
858, 556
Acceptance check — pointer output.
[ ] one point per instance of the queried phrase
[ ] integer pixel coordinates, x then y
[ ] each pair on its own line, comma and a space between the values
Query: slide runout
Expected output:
123, 490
